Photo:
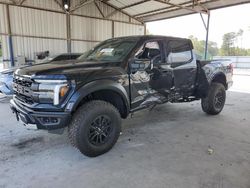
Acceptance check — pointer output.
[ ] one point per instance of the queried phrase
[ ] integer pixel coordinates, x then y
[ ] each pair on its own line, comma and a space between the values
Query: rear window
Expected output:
179, 51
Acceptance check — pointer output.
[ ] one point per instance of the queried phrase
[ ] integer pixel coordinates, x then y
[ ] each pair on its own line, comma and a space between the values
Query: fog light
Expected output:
48, 120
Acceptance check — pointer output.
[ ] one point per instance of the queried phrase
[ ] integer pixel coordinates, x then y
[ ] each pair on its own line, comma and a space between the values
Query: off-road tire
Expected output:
83, 121
210, 104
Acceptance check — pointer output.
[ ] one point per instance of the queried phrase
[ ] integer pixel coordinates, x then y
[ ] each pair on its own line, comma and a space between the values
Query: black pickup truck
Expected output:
119, 76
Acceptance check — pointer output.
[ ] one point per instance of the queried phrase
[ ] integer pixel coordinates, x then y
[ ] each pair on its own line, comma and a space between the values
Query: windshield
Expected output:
110, 50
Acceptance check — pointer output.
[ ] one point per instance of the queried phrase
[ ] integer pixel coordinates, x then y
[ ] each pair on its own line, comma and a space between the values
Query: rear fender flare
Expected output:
216, 75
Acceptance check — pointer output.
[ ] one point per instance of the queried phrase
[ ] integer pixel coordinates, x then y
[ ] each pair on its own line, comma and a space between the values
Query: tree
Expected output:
227, 47
239, 38
231, 46
199, 47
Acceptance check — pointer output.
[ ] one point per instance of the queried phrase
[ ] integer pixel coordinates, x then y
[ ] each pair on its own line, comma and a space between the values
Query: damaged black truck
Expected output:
89, 96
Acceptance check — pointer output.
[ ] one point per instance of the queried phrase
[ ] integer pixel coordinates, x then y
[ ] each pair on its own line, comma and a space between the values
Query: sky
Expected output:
222, 21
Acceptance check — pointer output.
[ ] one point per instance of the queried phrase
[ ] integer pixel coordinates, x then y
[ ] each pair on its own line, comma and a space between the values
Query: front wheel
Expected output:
215, 101
95, 128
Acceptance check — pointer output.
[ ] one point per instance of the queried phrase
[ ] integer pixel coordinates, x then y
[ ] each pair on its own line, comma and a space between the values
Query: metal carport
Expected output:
29, 26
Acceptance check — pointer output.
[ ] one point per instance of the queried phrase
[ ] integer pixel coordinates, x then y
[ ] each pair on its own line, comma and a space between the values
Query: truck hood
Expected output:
71, 68
12, 69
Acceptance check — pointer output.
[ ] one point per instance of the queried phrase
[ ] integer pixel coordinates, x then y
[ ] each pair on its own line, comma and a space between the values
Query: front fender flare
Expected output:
97, 86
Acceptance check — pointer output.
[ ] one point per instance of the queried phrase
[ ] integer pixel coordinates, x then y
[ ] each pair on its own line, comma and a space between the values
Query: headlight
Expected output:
50, 91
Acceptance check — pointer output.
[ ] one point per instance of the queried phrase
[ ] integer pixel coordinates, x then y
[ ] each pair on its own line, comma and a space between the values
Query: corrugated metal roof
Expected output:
175, 12
151, 10
132, 10
6, 1
46, 4
91, 10
145, 7
121, 3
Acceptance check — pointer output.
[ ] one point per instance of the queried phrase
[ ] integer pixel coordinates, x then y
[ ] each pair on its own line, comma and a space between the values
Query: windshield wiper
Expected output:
91, 59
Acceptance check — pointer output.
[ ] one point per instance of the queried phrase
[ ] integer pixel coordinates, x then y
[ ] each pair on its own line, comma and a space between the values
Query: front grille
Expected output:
26, 82
22, 91
23, 98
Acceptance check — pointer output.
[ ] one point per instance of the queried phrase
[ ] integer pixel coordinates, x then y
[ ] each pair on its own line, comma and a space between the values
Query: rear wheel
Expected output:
215, 101
95, 128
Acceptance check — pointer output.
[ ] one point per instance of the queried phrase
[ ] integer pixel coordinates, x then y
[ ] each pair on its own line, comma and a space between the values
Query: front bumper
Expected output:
43, 120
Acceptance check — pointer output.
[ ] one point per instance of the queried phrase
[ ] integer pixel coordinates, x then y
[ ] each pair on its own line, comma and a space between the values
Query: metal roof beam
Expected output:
13, 1
180, 6
21, 2
127, 6
59, 4
117, 9
160, 9
210, 5
80, 5
199, 4
99, 9
134, 4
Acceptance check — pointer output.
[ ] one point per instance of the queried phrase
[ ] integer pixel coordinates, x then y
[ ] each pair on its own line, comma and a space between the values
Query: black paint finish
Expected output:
162, 80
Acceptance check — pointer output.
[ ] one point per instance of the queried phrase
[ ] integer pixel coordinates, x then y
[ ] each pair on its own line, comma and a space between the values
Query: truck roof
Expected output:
148, 37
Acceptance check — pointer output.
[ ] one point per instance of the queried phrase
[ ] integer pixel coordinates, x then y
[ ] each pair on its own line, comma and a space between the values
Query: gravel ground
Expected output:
174, 145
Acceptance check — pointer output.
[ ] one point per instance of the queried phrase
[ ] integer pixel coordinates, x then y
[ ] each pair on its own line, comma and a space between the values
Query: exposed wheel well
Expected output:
109, 96
220, 78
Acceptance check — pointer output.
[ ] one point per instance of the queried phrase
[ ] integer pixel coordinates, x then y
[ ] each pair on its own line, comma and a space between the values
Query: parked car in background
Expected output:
6, 76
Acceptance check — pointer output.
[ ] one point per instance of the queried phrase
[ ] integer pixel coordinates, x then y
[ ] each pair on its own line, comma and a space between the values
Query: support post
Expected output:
206, 25
207, 35
11, 51
68, 32
113, 29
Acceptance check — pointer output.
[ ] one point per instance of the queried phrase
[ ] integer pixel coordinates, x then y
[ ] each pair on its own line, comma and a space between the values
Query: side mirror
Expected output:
139, 65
